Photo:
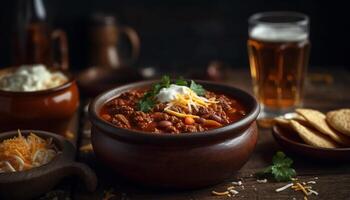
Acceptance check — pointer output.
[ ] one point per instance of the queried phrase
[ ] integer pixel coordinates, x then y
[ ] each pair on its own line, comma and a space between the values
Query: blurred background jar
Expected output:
105, 43
34, 39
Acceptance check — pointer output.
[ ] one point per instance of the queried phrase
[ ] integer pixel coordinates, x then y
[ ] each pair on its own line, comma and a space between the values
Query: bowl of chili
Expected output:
174, 134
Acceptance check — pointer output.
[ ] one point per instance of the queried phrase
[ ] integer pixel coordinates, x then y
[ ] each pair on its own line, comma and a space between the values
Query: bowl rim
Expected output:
71, 80
130, 133
276, 131
61, 143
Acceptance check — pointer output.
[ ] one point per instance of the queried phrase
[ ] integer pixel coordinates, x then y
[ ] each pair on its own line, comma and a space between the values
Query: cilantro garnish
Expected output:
198, 89
146, 105
148, 100
181, 81
280, 169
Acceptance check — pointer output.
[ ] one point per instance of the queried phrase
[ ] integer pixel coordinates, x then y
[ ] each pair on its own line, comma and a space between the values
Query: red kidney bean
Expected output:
158, 116
164, 124
200, 120
215, 117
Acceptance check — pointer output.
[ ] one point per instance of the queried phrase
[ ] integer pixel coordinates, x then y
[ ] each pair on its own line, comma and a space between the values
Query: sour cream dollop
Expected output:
169, 94
31, 78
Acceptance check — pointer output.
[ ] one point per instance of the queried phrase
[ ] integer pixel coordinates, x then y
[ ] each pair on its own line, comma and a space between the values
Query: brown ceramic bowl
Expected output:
49, 110
291, 142
180, 161
34, 182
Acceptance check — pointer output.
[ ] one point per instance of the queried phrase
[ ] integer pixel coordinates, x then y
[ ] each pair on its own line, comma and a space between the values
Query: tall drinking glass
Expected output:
278, 48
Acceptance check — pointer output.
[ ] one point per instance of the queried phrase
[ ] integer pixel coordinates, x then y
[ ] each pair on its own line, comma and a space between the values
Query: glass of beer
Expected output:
278, 48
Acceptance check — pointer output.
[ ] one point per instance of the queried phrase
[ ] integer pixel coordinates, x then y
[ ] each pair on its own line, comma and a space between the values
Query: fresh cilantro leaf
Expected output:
165, 81
148, 94
156, 88
281, 169
282, 173
181, 81
197, 88
146, 104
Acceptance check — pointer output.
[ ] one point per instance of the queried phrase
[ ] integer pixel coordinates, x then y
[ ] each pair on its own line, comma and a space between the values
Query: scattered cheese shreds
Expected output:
311, 182
302, 188
234, 192
237, 183
220, 193
230, 190
231, 187
297, 186
261, 180
313, 192
284, 187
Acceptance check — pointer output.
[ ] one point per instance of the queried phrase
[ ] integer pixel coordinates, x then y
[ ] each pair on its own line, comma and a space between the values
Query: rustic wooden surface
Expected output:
324, 91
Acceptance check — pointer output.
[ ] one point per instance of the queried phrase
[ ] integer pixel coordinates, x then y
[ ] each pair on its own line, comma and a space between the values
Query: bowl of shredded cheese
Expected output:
22, 153
33, 162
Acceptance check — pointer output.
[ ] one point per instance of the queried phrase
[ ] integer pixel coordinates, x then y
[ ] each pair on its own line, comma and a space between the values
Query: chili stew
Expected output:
168, 108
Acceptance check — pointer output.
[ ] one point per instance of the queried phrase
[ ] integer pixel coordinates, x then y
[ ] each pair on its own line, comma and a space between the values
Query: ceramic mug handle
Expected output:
61, 37
134, 40
83, 172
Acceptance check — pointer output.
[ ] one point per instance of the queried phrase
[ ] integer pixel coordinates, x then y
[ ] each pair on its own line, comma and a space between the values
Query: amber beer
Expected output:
278, 56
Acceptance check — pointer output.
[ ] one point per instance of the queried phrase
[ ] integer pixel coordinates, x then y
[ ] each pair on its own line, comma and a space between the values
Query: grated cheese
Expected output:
237, 183
183, 97
312, 192
220, 193
284, 187
297, 186
234, 192
262, 180
20, 153
302, 188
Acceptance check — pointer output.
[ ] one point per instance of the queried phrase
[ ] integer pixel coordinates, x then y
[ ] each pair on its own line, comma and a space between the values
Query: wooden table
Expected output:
324, 91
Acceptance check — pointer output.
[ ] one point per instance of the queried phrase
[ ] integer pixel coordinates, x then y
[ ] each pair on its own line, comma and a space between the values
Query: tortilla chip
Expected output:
313, 137
318, 121
296, 117
339, 120
282, 122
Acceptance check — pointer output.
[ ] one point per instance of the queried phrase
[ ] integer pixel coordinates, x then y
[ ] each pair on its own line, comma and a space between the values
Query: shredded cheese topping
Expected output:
183, 97
23, 153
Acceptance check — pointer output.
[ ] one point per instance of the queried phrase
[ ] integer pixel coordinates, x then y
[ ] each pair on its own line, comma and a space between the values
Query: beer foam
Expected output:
278, 33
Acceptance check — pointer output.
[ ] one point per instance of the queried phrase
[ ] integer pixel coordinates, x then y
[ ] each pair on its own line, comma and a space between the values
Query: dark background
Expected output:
183, 33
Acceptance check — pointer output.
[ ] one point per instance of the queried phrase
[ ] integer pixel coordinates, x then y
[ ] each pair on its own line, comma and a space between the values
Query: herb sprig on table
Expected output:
280, 169
148, 100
